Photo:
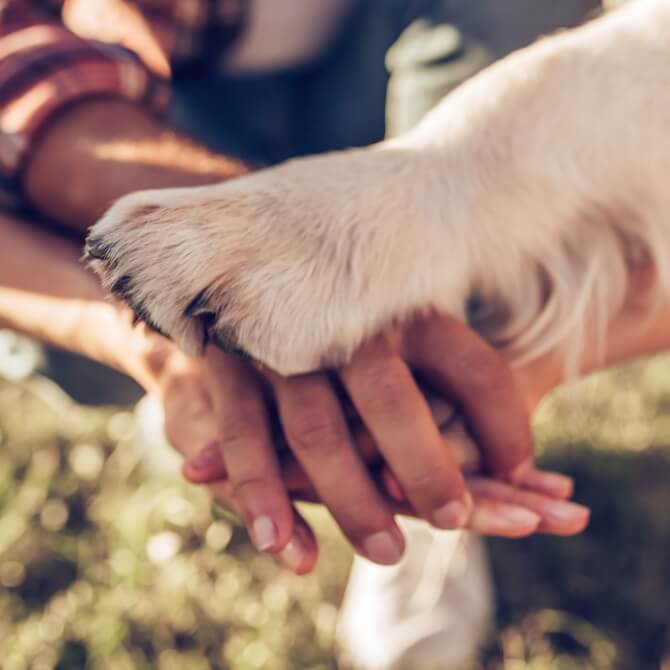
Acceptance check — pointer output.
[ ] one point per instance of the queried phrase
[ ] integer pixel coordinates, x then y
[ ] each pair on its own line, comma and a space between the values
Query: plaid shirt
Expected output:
44, 66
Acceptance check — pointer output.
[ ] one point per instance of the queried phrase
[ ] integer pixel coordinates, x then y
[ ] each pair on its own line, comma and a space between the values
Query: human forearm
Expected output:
47, 293
640, 329
99, 150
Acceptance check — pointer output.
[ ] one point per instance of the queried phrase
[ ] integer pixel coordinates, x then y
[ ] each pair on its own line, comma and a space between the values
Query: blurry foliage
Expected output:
103, 566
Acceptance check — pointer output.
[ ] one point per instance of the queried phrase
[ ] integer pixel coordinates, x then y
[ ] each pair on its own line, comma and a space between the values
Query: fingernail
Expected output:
453, 515
264, 533
505, 519
206, 458
553, 484
565, 511
560, 485
292, 555
383, 547
518, 516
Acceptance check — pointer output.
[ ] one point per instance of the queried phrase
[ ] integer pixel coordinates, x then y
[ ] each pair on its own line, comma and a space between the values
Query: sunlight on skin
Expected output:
159, 153
120, 23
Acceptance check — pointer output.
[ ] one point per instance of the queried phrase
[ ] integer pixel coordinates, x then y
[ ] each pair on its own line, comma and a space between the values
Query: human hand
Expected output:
331, 456
63, 304
224, 403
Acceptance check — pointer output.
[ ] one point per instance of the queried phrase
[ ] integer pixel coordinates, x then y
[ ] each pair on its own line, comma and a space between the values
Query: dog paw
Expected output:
294, 266
299, 264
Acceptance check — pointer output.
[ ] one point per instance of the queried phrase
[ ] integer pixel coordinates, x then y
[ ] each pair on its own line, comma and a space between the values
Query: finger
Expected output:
205, 466
392, 486
466, 369
395, 412
189, 421
501, 510
319, 438
301, 552
248, 452
552, 484
453, 437
490, 517
557, 517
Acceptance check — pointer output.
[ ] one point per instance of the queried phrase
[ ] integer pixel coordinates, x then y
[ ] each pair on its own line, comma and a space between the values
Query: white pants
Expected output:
431, 611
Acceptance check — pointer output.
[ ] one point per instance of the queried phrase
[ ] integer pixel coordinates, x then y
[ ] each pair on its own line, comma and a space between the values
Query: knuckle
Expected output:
251, 442
386, 382
244, 427
489, 375
315, 431
246, 485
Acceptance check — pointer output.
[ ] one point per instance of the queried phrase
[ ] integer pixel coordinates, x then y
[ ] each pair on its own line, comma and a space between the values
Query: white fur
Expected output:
536, 185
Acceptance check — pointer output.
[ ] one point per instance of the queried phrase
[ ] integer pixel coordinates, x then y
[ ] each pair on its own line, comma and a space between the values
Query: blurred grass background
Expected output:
105, 565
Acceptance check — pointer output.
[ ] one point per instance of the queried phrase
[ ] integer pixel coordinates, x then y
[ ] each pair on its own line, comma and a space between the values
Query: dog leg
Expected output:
533, 187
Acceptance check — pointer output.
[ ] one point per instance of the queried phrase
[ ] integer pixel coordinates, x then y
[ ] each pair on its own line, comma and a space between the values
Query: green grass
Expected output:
104, 565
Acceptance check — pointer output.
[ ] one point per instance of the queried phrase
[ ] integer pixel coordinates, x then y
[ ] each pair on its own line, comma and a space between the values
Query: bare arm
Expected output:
99, 150
47, 293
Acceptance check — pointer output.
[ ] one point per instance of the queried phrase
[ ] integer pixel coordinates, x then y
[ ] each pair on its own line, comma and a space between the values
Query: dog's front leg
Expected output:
534, 186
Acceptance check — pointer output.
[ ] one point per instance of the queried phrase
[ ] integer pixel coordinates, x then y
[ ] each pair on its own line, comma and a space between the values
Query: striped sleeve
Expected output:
194, 33
44, 67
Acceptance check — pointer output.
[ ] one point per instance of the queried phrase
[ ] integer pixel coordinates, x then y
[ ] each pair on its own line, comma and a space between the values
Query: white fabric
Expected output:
285, 33
433, 610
